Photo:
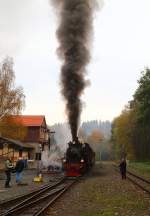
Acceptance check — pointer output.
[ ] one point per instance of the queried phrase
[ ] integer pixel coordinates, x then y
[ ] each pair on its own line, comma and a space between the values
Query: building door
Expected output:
20, 153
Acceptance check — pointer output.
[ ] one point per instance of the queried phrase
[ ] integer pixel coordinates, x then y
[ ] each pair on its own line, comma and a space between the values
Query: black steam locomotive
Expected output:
79, 158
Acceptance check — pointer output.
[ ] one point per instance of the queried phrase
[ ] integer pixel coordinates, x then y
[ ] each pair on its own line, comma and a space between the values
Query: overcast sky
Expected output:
120, 51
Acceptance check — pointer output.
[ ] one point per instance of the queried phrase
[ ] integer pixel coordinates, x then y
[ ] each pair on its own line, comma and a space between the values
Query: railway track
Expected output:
37, 203
139, 181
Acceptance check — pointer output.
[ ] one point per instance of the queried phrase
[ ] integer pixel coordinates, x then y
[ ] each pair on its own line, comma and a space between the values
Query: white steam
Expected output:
62, 135
51, 157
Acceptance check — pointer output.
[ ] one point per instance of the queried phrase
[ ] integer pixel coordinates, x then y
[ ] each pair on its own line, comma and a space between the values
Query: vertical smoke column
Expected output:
74, 34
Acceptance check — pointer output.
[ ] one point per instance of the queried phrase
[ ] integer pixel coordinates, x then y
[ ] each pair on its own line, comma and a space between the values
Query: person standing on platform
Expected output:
123, 168
19, 168
8, 168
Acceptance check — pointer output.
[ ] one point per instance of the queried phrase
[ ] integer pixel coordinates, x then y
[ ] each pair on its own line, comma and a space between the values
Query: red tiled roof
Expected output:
29, 120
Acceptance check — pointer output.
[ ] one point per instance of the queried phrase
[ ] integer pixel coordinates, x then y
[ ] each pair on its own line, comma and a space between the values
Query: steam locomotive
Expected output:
79, 158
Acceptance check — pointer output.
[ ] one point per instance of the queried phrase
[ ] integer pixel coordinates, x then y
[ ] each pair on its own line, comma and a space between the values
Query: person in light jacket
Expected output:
8, 168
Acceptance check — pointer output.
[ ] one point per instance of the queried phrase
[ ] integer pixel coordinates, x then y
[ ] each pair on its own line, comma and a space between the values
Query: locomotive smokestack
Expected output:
74, 34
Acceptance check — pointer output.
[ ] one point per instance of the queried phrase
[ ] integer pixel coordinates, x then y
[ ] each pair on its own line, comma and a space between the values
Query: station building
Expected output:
37, 138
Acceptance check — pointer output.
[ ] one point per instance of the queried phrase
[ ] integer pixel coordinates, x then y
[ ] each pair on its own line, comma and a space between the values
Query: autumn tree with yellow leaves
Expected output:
122, 129
95, 139
11, 129
131, 130
12, 101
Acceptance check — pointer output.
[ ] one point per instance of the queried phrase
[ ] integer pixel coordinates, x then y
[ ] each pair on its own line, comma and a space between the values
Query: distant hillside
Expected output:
103, 126
62, 133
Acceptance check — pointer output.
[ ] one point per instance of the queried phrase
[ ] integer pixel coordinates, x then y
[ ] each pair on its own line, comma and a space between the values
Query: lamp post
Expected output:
100, 156
51, 136
52, 133
38, 158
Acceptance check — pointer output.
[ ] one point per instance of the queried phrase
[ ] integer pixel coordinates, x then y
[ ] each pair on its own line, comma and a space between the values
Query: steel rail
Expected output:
32, 205
140, 186
135, 182
24, 196
29, 196
139, 177
40, 213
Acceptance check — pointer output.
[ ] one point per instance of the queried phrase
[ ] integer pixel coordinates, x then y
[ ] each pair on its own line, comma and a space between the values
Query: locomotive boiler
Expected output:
79, 158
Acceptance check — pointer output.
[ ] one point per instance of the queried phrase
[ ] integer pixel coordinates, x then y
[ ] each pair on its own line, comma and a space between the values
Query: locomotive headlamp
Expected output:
82, 161
64, 160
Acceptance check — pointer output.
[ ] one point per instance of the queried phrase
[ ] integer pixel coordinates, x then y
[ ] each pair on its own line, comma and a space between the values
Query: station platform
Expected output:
27, 185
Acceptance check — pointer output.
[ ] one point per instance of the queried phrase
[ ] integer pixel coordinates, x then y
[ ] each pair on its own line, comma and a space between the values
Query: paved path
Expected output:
15, 190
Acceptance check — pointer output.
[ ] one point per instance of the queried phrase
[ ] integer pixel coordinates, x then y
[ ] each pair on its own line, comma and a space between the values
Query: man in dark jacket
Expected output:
19, 168
123, 168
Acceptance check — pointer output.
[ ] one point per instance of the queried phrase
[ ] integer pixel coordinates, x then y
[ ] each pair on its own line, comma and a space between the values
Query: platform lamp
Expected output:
50, 134
38, 159
38, 177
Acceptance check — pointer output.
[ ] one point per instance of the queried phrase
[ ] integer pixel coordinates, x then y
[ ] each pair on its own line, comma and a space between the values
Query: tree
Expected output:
122, 131
141, 101
95, 139
12, 99
11, 129
141, 107
131, 130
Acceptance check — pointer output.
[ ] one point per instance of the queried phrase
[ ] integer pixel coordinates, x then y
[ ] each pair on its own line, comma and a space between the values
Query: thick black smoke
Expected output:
74, 34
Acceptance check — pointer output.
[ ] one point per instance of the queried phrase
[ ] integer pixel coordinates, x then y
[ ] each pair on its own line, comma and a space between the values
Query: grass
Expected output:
141, 168
111, 204
114, 206
103, 211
